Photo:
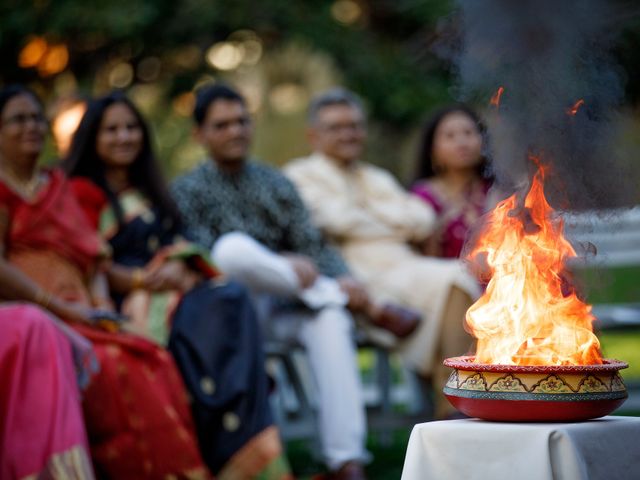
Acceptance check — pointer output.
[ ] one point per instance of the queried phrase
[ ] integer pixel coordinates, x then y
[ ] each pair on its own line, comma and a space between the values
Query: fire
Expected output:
527, 316
495, 99
576, 106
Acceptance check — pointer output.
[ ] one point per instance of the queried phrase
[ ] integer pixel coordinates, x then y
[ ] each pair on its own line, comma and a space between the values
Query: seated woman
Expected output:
135, 408
452, 177
158, 277
42, 434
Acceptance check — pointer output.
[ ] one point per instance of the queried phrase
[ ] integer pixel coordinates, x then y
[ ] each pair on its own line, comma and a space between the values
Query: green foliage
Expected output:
384, 55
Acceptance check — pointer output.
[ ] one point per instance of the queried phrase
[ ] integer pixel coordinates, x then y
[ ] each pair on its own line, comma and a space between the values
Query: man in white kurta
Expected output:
374, 222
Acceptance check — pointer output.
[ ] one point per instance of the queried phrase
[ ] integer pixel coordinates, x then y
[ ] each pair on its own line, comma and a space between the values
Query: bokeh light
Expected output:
250, 44
54, 61
33, 52
121, 75
183, 104
148, 70
288, 98
48, 58
346, 12
225, 55
65, 123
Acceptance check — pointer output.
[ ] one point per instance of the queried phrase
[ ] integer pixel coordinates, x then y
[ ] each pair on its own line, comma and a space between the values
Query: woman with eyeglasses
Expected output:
135, 409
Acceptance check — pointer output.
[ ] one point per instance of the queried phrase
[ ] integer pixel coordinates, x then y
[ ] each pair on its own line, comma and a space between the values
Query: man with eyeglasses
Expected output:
375, 222
260, 233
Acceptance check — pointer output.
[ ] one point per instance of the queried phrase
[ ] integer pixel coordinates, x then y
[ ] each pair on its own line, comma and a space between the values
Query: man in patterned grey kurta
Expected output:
260, 233
259, 201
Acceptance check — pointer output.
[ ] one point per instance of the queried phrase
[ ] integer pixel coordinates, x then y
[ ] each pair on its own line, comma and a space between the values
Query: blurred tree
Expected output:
160, 49
380, 46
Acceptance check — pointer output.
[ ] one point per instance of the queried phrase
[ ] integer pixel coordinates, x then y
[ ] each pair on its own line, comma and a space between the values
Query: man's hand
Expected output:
305, 269
430, 246
358, 296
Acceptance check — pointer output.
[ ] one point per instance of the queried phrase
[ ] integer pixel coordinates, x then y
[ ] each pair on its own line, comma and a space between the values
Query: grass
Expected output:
623, 345
388, 451
613, 284
388, 457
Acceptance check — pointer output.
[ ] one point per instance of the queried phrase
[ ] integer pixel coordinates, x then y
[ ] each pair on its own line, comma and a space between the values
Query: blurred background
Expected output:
279, 53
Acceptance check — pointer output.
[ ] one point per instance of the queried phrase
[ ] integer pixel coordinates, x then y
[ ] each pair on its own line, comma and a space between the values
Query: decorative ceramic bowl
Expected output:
521, 393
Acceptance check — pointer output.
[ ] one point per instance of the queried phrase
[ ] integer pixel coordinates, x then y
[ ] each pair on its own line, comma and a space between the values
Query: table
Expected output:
602, 449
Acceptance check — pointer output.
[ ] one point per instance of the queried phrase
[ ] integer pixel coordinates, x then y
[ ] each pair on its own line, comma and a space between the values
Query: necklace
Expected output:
25, 188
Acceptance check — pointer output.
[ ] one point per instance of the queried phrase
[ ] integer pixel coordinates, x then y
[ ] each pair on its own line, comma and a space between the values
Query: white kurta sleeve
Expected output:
332, 208
393, 205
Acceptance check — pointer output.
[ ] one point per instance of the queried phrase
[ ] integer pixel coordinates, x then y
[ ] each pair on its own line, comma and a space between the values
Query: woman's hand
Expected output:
72, 312
171, 275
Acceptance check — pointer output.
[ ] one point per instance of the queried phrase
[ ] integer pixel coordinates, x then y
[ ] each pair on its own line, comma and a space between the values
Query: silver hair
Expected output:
333, 96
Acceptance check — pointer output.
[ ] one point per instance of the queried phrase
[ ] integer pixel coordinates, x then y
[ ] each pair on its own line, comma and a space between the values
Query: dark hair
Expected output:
144, 172
207, 95
334, 96
425, 150
11, 91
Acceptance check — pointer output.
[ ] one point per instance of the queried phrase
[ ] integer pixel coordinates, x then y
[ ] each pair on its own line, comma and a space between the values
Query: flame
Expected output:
527, 316
495, 99
576, 106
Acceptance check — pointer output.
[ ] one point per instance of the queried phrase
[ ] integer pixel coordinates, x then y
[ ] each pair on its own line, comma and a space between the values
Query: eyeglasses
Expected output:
335, 128
22, 119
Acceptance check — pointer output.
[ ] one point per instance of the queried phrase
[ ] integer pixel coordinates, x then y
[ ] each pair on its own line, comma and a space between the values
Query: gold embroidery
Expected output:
207, 385
230, 422
72, 463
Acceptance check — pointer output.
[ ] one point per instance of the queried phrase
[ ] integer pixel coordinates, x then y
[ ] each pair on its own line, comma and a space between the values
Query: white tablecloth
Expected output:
604, 449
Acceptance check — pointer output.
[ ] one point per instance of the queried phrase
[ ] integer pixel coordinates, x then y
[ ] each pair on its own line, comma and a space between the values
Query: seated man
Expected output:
375, 222
260, 234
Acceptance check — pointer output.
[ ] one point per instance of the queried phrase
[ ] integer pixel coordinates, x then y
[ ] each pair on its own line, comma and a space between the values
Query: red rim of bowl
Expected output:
466, 363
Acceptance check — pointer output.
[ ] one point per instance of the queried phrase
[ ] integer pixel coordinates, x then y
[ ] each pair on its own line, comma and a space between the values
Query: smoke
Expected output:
548, 55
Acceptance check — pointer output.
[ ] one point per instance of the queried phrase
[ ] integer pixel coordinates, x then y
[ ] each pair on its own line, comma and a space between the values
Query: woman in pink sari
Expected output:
452, 177
42, 433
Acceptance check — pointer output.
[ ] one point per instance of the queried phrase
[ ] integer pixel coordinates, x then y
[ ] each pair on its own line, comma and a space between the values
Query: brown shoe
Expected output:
398, 320
348, 471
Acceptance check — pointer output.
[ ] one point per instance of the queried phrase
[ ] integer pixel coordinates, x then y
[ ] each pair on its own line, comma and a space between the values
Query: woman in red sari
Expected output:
135, 409
167, 287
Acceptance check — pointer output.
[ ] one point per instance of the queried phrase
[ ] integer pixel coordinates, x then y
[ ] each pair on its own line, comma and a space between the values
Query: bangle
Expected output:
43, 298
137, 279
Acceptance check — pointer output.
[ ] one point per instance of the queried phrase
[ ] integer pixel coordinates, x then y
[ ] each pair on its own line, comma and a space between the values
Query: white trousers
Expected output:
325, 331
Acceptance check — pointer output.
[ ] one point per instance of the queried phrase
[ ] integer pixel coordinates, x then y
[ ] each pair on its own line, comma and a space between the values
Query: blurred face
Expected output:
339, 132
120, 136
457, 143
23, 128
226, 132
